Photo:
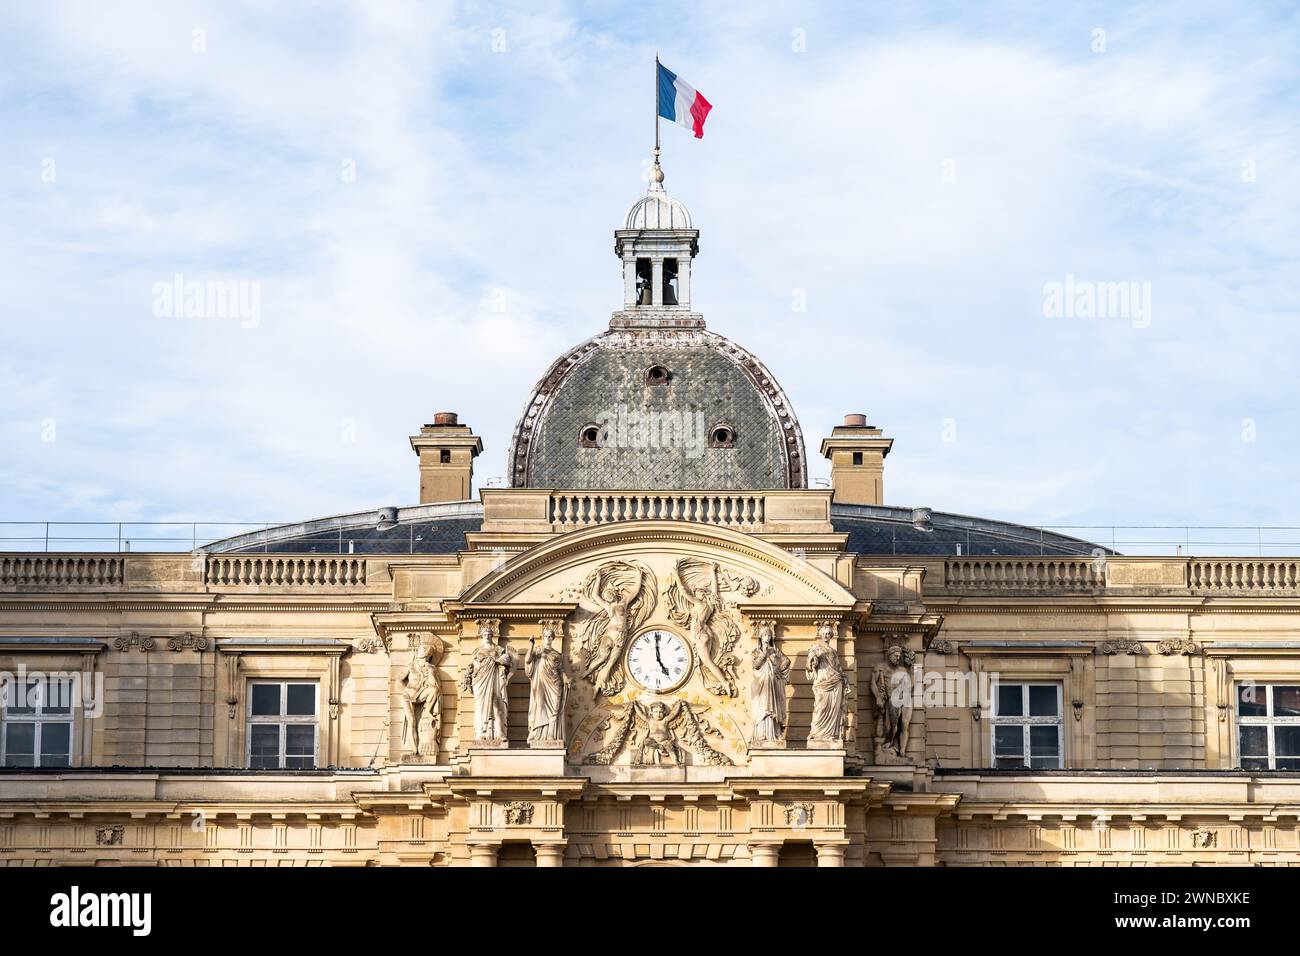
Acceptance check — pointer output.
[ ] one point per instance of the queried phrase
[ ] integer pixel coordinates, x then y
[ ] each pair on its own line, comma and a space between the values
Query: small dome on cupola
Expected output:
657, 210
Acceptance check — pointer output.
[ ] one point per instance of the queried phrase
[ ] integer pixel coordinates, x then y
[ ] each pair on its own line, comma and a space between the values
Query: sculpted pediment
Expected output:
658, 636
549, 571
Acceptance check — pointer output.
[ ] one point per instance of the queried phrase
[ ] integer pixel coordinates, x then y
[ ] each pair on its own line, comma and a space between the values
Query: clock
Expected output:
659, 660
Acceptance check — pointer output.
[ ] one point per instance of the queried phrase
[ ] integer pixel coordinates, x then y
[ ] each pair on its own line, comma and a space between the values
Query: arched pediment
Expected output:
541, 573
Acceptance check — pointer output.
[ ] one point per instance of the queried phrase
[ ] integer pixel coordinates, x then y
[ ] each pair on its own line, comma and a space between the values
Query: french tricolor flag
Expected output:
680, 102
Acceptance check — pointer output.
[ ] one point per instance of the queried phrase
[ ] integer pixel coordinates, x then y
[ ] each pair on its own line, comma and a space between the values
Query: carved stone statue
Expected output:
655, 734
767, 689
695, 601
829, 688
548, 692
891, 686
487, 674
421, 699
620, 595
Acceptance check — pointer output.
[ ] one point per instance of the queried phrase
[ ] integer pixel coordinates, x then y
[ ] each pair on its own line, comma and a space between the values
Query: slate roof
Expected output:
441, 529
712, 381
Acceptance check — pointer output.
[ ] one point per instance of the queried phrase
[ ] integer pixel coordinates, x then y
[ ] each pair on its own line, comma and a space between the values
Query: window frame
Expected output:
1025, 721
39, 720
1267, 721
282, 720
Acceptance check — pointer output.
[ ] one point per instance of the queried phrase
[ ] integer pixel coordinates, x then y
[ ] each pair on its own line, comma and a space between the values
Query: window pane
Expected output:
24, 698
1045, 742
1009, 742
1009, 763
1254, 763
56, 744
20, 740
1287, 763
1254, 742
1286, 701
266, 700
1042, 701
58, 697
264, 747
1010, 700
1286, 742
302, 700
1252, 700
300, 746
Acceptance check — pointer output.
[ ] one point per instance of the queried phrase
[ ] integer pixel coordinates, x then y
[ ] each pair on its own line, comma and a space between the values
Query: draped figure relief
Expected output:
767, 688
830, 687
620, 596
548, 689
695, 601
487, 675
421, 698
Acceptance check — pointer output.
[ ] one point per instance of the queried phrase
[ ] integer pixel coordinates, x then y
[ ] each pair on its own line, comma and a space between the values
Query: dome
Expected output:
658, 408
657, 210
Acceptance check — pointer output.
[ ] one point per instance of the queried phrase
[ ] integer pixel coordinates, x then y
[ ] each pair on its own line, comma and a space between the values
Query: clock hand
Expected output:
657, 657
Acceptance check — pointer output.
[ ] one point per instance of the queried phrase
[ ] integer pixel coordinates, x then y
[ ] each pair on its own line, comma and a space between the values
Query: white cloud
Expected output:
486, 179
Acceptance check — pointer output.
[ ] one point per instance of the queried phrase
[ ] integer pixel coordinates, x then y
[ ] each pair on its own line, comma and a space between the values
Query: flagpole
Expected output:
656, 109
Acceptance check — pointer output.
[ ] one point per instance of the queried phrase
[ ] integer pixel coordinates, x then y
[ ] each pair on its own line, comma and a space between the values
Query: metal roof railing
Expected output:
124, 537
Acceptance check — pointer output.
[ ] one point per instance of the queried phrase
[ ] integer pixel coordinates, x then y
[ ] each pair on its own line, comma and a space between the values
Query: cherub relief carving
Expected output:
655, 733
620, 595
421, 699
695, 601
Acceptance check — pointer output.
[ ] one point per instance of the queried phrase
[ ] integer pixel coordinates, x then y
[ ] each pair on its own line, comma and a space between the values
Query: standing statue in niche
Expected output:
767, 689
695, 601
421, 698
829, 689
891, 686
548, 690
487, 674
620, 595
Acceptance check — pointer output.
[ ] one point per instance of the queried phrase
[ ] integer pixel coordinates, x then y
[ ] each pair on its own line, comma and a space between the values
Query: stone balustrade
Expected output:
571, 511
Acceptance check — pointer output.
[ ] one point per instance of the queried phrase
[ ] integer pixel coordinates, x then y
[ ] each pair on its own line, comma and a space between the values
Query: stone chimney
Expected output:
447, 450
857, 455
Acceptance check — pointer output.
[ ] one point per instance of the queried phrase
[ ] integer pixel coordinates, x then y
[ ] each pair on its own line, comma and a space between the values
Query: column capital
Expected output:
550, 854
764, 854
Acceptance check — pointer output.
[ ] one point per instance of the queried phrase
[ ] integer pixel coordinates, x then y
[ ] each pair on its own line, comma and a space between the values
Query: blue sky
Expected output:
915, 172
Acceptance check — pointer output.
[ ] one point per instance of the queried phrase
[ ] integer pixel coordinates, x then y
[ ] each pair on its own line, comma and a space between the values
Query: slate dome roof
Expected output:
658, 398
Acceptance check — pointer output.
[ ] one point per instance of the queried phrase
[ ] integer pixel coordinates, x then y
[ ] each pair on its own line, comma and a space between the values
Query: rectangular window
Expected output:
283, 731
1027, 726
36, 723
1268, 724
857, 458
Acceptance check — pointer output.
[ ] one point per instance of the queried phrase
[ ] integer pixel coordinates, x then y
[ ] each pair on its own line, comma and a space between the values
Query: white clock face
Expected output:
659, 660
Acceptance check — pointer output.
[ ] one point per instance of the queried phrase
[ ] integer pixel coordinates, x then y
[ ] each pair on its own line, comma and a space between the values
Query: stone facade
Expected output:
1147, 673
562, 674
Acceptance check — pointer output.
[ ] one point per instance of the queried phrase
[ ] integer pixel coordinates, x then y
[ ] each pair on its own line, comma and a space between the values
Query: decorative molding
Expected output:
800, 814
134, 639
1122, 646
110, 835
194, 642
1178, 646
519, 813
